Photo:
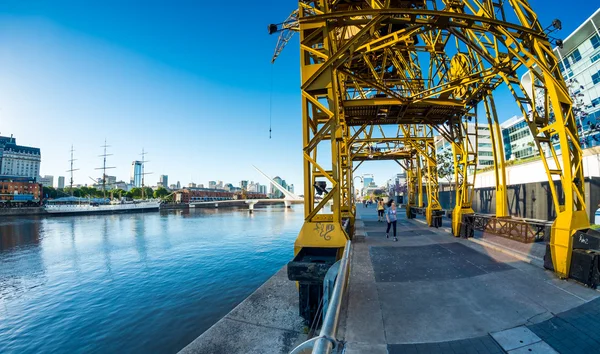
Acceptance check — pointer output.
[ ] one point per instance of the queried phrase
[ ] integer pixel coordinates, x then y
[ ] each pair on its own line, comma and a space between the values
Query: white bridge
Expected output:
288, 199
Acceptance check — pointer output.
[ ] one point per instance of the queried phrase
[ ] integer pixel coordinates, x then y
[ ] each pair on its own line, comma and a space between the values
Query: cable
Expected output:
271, 103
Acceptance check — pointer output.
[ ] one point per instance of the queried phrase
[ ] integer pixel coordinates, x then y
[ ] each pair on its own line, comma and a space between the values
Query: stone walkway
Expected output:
433, 293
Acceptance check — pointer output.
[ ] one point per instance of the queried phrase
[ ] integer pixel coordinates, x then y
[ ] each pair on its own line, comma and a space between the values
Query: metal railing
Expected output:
325, 342
519, 229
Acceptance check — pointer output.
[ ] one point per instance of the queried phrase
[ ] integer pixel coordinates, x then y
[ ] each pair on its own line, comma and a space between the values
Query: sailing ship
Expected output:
75, 205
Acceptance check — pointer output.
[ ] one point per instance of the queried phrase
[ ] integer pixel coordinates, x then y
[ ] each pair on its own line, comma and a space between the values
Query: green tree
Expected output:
148, 192
136, 192
117, 193
445, 165
49, 192
161, 193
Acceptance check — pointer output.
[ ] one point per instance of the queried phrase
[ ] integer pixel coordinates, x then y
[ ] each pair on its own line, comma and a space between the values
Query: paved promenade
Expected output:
433, 293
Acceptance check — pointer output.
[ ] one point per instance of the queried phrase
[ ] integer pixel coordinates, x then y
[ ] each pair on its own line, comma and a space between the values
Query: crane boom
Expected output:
286, 31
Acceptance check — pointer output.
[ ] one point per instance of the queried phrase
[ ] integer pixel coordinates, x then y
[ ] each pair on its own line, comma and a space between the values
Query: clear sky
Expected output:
188, 81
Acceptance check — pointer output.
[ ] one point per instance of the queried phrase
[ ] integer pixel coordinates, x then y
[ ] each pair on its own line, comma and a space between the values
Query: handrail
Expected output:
325, 342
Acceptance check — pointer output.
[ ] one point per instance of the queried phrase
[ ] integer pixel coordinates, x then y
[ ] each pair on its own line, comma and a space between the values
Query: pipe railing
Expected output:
326, 341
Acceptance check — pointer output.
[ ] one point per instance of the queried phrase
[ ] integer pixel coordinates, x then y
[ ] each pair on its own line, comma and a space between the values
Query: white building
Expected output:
61, 182
517, 139
485, 156
580, 65
17, 160
46, 181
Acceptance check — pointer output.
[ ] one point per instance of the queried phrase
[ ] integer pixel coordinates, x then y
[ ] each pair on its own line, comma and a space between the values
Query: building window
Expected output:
576, 56
596, 77
595, 41
596, 101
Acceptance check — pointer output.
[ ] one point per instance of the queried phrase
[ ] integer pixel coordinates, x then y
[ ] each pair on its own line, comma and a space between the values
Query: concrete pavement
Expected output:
431, 292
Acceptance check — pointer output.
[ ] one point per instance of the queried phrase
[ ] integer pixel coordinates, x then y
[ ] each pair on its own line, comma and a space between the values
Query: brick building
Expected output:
186, 195
19, 191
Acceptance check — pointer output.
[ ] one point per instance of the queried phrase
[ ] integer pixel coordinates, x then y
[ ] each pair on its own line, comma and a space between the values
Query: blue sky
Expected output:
188, 81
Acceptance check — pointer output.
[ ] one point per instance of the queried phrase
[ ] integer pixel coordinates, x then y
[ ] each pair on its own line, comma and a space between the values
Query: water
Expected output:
135, 283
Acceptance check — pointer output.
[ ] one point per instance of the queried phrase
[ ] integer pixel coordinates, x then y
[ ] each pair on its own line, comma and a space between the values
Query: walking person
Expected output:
380, 209
391, 217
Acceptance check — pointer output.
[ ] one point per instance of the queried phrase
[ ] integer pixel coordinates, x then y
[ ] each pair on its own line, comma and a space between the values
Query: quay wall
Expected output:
23, 211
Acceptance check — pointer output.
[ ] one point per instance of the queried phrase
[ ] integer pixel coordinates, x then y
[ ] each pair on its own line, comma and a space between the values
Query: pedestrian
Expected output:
391, 217
380, 209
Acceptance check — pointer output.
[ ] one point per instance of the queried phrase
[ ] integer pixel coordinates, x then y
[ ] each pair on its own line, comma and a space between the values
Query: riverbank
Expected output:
32, 211
36, 211
266, 322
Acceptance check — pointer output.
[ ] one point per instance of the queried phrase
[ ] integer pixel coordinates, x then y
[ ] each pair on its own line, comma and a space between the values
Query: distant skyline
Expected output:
190, 82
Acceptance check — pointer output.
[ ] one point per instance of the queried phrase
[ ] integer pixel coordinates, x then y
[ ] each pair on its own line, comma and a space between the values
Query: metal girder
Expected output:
399, 62
422, 141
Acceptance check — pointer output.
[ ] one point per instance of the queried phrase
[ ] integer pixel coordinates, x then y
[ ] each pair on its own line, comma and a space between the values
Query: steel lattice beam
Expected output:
399, 63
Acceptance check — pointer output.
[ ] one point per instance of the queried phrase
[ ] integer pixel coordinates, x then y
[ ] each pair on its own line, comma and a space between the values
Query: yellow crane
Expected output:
370, 65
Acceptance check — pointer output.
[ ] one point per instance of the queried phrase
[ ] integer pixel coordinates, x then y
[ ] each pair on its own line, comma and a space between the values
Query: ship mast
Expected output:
143, 154
104, 168
71, 170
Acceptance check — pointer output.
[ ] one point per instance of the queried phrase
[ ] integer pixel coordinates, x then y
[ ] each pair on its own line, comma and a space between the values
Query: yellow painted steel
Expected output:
498, 154
421, 139
374, 64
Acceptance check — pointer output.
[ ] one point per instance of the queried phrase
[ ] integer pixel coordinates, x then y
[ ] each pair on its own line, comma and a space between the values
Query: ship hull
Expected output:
102, 209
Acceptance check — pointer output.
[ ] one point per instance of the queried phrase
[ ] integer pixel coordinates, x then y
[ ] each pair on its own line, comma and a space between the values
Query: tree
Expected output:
136, 192
49, 192
148, 192
117, 193
445, 165
161, 193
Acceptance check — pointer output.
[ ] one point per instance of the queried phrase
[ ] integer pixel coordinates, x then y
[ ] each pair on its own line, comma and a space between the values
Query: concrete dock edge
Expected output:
265, 322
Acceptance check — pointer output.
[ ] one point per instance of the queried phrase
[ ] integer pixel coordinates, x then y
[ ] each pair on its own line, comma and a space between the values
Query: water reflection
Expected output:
109, 283
106, 248
15, 233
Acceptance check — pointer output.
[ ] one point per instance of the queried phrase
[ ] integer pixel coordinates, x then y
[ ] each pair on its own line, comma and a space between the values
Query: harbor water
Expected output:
135, 283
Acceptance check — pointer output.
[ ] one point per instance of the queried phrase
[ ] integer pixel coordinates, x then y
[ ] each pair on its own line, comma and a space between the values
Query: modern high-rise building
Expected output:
367, 181
244, 184
46, 181
579, 62
136, 174
17, 160
261, 188
212, 184
178, 185
219, 184
290, 188
517, 139
61, 182
163, 181
276, 193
